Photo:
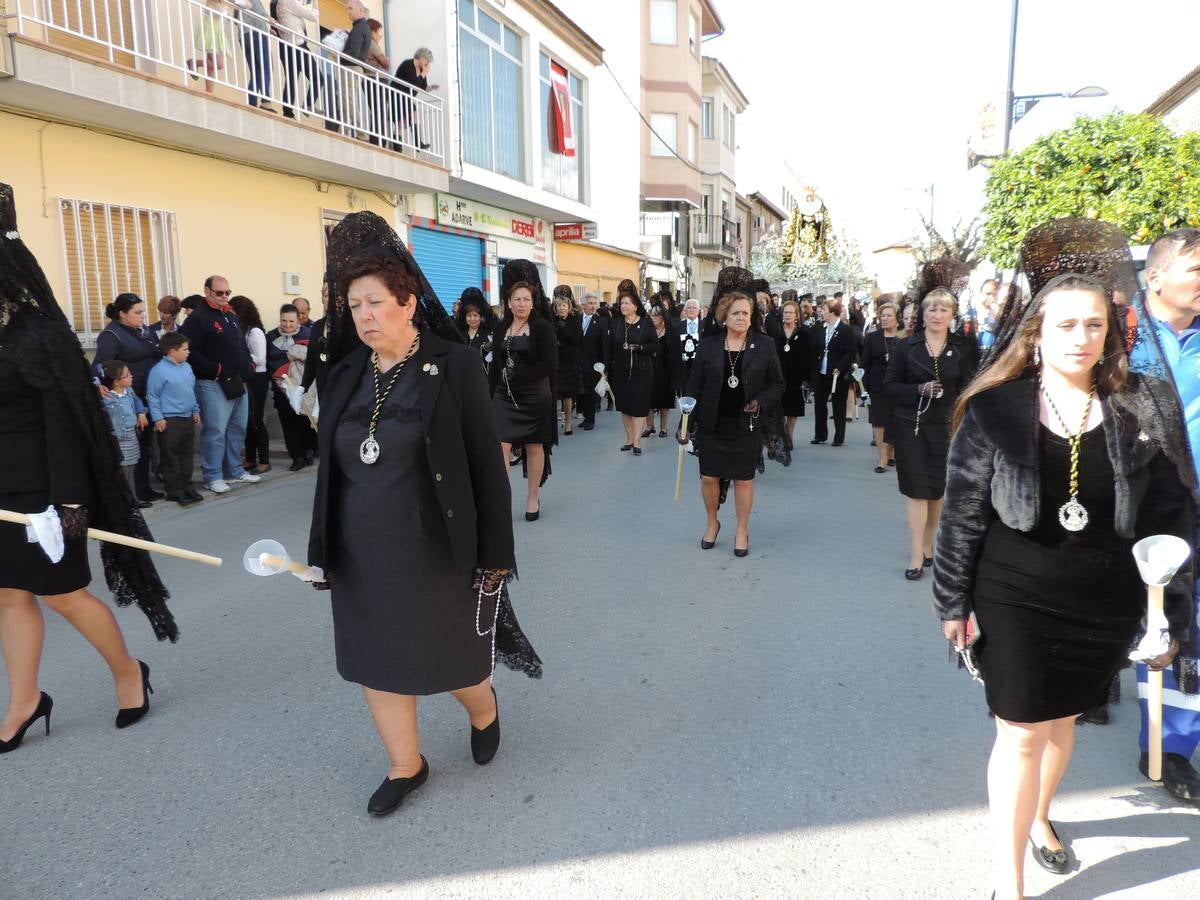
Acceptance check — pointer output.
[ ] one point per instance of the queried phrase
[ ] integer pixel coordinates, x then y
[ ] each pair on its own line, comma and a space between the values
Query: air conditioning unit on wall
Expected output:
291, 283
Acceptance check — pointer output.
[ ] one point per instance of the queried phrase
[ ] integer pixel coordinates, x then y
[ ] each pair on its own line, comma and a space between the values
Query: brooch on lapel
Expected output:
949, 352
430, 368
1143, 437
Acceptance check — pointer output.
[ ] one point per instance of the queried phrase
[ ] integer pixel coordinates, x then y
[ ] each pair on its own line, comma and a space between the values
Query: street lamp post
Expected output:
1028, 101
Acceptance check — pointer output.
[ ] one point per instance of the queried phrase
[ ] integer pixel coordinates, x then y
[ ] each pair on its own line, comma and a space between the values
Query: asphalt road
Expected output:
784, 725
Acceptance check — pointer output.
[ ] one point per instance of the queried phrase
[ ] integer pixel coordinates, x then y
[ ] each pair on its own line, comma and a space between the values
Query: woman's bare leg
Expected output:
22, 633
916, 512
1055, 759
743, 499
932, 516
1014, 784
92, 618
479, 703
710, 490
535, 463
395, 718
881, 447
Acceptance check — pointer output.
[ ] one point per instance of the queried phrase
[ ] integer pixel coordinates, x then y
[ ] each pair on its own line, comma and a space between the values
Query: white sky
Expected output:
872, 100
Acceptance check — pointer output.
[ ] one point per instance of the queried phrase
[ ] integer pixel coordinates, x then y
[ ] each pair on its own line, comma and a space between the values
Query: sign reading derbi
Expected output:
459, 213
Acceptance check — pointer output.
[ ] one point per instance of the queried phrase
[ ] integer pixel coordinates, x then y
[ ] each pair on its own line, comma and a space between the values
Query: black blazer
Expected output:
542, 361
843, 348
911, 366
762, 379
875, 358
595, 346
642, 334
993, 474
797, 363
461, 446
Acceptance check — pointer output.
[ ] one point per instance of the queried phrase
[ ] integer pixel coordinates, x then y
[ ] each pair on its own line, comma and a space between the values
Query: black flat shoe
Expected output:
296, 466
126, 717
637, 451
708, 545
662, 434
648, 432
193, 495
837, 443
928, 562
914, 574
626, 447
486, 741
815, 441
568, 432
891, 462
879, 470
389, 795
45, 705
533, 516
1056, 861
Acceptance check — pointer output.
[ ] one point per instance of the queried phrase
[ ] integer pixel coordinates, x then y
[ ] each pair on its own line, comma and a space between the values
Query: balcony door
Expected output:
98, 28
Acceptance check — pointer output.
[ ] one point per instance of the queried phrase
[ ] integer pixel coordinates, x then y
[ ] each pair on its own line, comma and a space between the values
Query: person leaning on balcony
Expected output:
414, 72
358, 48
256, 44
210, 42
292, 16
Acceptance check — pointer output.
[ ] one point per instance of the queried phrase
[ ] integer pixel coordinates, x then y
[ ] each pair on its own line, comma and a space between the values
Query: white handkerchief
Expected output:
44, 528
1155, 642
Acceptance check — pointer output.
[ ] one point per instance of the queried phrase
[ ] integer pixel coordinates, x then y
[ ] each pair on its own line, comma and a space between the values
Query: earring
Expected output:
1037, 355
1100, 361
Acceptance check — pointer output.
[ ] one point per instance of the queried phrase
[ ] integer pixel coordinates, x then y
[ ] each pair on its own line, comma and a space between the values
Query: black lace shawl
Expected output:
36, 335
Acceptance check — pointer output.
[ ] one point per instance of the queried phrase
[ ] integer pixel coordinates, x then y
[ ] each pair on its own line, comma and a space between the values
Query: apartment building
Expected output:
671, 101
764, 215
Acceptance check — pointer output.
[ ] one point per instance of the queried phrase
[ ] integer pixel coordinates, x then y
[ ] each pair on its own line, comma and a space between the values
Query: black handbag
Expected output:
231, 385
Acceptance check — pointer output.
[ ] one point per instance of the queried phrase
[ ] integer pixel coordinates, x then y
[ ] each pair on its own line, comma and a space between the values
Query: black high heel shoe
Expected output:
126, 717
742, 551
708, 545
389, 795
45, 704
927, 562
486, 741
533, 516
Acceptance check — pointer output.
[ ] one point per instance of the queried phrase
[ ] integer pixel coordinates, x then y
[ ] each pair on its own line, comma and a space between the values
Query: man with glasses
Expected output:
220, 360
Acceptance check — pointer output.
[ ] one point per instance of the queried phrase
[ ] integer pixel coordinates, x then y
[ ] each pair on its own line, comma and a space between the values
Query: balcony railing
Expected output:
714, 234
192, 43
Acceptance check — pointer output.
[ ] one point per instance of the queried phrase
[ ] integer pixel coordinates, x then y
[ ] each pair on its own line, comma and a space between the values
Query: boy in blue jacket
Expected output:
171, 395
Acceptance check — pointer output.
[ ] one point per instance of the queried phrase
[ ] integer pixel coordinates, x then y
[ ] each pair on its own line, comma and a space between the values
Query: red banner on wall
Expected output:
562, 132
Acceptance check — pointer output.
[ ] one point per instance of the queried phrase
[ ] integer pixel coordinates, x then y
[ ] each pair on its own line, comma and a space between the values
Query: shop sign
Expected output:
459, 213
575, 231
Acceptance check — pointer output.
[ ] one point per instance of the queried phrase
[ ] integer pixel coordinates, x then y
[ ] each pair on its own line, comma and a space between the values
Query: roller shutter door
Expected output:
451, 262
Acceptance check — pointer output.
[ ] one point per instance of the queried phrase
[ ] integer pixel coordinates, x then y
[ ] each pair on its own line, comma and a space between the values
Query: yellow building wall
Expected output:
597, 269
248, 224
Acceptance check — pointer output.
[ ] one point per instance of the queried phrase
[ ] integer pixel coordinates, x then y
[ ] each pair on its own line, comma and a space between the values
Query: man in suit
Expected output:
595, 350
686, 343
836, 347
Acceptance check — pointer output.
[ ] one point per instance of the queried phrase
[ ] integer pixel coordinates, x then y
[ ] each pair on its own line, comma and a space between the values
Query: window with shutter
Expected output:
91, 26
111, 250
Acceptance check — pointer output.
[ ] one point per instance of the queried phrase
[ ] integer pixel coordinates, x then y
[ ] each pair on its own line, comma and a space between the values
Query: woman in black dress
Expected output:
126, 338
632, 348
1039, 549
925, 376
568, 327
662, 391
735, 380
877, 353
523, 374
412, 520
476, 322
795, 347
59, 457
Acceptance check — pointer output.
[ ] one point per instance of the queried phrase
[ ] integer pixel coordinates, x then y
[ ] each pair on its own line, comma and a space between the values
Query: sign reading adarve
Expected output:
459, 213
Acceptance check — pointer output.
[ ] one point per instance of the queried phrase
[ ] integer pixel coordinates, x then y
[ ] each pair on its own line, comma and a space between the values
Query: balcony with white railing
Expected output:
203, 76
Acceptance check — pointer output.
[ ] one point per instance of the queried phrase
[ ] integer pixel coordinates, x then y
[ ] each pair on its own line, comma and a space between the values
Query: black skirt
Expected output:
879, 413
793, 398
524, 412
920, 458
728, 451
26, 567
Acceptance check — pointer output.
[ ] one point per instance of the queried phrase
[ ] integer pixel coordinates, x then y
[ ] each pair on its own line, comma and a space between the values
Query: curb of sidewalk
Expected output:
279, 476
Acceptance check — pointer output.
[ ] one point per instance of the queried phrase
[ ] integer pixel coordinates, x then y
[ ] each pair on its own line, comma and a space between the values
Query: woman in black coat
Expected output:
126, 339
793, 342
568, 327
60, 459
736, 377
925, 376
412, 519
662, 391
1061, 461
632, 348
877, 353
523, 377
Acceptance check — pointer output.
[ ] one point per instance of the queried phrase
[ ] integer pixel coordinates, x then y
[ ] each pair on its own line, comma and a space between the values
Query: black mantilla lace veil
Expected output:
947, 273
1058, 250
365, 233
36, 336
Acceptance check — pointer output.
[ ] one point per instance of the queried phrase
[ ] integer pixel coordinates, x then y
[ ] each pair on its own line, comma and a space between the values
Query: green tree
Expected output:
1124, 168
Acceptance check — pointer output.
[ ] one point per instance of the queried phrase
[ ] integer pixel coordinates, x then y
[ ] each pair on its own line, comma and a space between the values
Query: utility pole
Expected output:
1009, 96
